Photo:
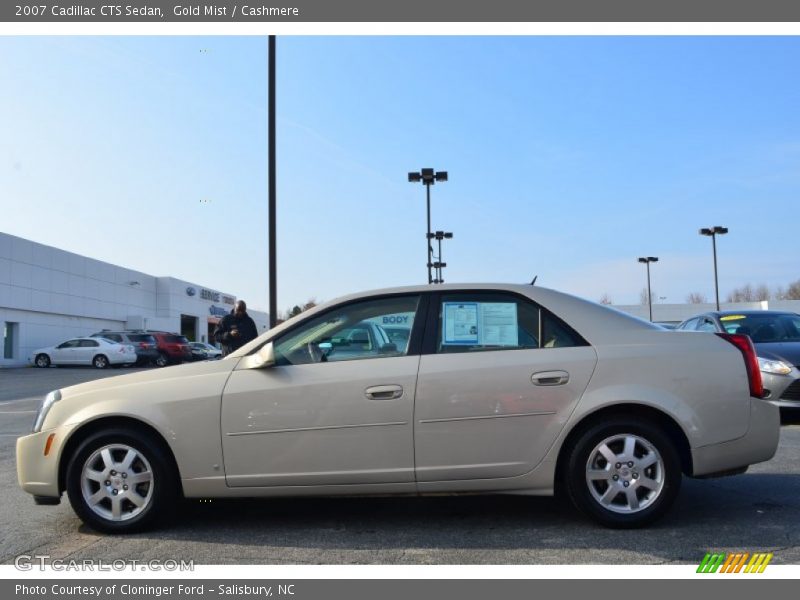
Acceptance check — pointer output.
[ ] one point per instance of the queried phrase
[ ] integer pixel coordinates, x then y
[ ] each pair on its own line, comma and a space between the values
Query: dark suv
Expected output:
144, 344
173, 348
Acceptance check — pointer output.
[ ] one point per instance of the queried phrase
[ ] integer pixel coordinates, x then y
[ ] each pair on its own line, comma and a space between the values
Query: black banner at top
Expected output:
401, 11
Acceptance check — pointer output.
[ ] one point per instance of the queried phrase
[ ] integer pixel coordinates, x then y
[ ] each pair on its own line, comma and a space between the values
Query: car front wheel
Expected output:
42, 361
161, 360
623, 473
120, 481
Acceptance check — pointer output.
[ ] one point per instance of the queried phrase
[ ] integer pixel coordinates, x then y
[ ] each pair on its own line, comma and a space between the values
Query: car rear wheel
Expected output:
623, 473
120, 481
100, 361
162, 360
42, 361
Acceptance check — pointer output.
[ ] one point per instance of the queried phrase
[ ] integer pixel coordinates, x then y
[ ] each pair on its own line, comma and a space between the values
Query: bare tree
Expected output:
643, 296
793, 291
742, 294
297, 308
696, 298
762, 293
606, 299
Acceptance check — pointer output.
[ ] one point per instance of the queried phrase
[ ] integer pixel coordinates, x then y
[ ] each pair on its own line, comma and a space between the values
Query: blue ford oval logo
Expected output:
190, 291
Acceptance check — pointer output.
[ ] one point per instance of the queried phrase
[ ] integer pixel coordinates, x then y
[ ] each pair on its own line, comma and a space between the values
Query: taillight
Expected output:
745, 346
143, 345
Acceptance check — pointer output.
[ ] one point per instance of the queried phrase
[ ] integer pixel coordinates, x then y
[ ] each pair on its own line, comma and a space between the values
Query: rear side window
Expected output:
175, 339
480, 321
138, 337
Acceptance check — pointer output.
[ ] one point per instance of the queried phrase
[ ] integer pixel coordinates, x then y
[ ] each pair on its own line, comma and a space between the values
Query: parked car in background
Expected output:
144, 344
87, 351
500, 389
173, 348
203, 351
776, 337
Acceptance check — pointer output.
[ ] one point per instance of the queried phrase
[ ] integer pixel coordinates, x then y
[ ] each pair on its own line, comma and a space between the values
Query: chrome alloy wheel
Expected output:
625, 473
117, 482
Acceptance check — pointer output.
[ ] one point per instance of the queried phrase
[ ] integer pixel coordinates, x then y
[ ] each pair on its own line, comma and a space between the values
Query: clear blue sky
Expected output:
569, 157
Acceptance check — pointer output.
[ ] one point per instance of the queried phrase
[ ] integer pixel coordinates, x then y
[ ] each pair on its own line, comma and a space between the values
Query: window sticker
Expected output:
498, 324
480, 324
460, 323
731, 317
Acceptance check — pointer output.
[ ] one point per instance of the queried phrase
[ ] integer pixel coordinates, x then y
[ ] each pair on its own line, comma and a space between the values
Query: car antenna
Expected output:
534, 280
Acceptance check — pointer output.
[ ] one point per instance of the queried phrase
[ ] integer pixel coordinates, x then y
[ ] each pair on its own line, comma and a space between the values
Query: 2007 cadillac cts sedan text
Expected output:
496, 389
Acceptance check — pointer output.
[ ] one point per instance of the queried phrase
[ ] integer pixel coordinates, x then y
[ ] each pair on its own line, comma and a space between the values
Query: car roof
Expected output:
747, 313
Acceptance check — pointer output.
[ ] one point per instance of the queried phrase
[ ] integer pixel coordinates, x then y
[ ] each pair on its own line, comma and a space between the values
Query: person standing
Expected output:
235, 329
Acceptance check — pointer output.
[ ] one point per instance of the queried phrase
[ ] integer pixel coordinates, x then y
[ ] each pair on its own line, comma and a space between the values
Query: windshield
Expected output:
764, 328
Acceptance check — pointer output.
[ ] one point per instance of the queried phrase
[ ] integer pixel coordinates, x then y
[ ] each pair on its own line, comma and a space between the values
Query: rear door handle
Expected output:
383, 392
550, 378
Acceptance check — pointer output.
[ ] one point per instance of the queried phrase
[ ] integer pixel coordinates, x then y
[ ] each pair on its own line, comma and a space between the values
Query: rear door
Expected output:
498, 379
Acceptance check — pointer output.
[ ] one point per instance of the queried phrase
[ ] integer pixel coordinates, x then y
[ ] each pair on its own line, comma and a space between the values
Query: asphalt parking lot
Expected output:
756, 511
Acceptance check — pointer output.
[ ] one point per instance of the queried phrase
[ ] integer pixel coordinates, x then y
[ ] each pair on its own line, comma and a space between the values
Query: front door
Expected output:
496, 388
335, 409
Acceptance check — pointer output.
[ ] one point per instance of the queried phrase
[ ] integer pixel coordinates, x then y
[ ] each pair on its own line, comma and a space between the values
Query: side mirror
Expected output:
260, 360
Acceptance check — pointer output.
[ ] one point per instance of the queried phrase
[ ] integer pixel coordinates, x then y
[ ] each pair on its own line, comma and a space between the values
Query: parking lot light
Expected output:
428, 177
713, 232
647, 260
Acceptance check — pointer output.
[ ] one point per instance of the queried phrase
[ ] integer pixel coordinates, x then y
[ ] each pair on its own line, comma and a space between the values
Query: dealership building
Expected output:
48, 295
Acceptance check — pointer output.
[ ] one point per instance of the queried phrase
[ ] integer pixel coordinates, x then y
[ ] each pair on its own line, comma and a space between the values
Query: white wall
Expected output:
54, 295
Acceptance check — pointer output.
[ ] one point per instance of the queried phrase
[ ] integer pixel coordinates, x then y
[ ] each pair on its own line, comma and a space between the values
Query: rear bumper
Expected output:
757, 445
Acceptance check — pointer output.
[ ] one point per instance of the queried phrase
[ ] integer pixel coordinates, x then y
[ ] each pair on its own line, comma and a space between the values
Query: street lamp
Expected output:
647, 260
439, 236
713, 232
428, 177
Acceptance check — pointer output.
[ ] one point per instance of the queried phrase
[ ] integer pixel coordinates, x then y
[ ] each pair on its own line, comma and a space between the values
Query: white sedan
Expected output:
500, 389
97, 352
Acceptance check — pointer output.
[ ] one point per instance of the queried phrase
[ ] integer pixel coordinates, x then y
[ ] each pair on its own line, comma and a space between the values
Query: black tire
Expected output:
42, 361
100, 362
164, 492
162, 360
654, 504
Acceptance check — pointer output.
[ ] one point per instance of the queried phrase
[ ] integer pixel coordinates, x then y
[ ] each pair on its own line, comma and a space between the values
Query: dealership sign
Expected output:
217, 311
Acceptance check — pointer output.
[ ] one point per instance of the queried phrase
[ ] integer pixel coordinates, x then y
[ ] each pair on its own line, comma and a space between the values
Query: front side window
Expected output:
353, 332
69, 344
470, 322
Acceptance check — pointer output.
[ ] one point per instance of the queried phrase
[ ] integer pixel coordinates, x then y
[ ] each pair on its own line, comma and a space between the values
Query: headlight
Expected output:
49, 400
776, 367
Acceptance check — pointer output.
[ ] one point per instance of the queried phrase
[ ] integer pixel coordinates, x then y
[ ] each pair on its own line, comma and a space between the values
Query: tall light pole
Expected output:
713, 232
439, 265
273, 244
428, 177
647, 260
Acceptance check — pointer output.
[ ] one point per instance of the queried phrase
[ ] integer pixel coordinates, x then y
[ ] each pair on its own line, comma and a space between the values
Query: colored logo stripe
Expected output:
733, 563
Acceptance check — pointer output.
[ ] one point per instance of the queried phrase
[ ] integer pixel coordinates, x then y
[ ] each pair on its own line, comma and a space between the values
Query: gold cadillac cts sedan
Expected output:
479, 388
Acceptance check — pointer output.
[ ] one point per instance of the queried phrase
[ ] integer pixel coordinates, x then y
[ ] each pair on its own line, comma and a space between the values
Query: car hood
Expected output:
786, 351
151, 376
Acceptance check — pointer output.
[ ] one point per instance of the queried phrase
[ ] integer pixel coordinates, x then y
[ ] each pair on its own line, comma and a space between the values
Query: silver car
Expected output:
776, 337
500, 389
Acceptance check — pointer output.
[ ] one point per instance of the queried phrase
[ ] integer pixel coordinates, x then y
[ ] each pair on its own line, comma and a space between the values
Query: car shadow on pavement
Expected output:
752, 511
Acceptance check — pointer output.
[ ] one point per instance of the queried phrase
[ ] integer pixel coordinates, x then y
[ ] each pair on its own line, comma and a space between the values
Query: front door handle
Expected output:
550, 378
384, 392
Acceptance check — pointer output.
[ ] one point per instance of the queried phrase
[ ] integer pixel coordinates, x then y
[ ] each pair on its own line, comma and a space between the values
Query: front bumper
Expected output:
757, 445
38, 474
